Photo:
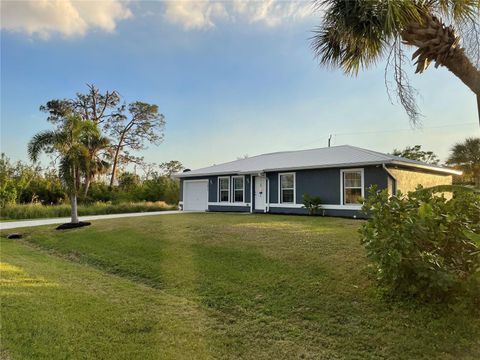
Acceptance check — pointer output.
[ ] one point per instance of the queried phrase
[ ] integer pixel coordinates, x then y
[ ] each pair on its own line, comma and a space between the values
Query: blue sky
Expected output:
229, 81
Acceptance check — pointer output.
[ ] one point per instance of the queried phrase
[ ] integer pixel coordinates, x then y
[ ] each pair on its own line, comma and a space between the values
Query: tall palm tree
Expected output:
466, 156
96, 163
357, 34
67, 142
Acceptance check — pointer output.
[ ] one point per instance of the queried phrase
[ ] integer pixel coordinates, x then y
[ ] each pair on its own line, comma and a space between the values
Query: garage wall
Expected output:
213, 186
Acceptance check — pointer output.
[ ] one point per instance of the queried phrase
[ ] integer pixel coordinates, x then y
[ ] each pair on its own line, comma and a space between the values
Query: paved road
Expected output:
39, 222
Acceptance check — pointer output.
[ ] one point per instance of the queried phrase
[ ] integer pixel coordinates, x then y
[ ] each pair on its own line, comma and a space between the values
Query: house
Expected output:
276, 182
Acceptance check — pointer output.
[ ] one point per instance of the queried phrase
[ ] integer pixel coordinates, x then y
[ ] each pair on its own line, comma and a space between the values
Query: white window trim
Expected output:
294, 188
342, 190
218, 188
239, 204
233, 188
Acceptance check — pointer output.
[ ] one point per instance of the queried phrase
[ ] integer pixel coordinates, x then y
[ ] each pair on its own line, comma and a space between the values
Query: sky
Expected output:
232, 79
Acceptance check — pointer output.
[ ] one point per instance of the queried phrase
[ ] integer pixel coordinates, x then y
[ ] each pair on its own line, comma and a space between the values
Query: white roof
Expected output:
335, 156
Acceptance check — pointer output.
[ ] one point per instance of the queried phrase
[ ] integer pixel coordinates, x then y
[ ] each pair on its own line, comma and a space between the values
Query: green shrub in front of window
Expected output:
424, 245
311, 203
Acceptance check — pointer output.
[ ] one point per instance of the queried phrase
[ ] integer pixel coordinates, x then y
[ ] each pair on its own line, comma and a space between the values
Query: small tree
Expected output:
424, 245
466, 156
311, 203
144, 124
171, 167
68, 142
416, 153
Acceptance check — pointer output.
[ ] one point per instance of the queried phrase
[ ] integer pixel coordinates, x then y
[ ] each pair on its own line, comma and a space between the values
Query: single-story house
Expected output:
277, 182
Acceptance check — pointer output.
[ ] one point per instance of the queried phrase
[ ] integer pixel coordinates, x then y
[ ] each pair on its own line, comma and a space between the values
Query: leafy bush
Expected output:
311, 203
36, 211
424, 245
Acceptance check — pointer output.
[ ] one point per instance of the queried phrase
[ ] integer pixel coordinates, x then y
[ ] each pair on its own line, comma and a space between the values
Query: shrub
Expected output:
424, 245
311, 203
36, 211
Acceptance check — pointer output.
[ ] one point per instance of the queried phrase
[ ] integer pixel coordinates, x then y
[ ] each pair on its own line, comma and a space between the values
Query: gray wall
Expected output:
213, 187
325, 183
322, 212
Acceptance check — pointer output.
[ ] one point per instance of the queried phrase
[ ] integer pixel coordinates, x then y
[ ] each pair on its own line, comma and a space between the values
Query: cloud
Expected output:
205, 14
194, 14
70, 18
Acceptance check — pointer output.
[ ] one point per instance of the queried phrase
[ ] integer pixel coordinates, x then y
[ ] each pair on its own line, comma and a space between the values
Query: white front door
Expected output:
260, 192
195, 195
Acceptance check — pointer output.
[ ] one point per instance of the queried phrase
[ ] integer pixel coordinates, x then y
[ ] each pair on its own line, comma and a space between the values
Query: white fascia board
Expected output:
426, 167
323, 206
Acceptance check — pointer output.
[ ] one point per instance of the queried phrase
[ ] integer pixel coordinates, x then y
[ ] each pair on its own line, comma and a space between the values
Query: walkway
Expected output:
27, 223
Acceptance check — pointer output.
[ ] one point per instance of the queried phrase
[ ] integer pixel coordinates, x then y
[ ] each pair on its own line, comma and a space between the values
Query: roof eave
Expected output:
426, 167
290, 168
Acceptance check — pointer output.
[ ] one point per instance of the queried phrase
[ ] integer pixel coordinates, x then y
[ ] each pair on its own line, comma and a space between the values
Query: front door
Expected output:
260, 192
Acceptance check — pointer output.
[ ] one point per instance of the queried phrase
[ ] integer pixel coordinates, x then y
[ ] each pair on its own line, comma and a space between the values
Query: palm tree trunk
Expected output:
73, 196
461, 67
87, 186
439, 43
74, 211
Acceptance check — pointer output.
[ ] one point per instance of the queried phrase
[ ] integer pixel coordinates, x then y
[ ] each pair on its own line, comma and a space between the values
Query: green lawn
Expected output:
212, 286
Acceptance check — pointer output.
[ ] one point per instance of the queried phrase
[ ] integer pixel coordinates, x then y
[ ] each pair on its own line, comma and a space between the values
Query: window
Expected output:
224, 189
352, 186
238, 188
287, 188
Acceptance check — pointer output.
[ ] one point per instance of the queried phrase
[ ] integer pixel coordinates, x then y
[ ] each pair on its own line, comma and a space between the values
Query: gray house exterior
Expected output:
277, 182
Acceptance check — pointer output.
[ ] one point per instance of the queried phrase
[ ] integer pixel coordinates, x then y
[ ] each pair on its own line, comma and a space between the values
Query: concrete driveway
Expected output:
39, 222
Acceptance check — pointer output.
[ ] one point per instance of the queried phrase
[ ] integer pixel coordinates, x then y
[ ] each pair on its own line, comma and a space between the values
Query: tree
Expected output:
98, 152
357, 34
144, 124
466, 156
416, 153
128, 181
171, 167
101, 109
67, 141
93, 105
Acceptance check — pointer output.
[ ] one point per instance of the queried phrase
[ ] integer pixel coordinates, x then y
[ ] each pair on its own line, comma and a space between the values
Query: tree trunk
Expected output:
438, 43
87, 186
114, 167
462, 68
73, 204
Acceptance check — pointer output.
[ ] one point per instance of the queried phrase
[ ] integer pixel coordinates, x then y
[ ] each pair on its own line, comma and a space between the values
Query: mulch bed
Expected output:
73, 225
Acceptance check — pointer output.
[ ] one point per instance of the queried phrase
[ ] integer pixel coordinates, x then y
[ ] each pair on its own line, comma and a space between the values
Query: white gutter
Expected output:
427, 167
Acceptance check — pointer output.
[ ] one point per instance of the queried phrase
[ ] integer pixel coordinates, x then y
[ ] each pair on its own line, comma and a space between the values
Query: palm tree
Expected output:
357, 34
466, 156
96, 164
67, 142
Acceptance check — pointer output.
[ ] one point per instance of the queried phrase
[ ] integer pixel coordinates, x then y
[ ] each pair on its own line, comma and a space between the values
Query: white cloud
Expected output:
204, 14
69, 18
194, 14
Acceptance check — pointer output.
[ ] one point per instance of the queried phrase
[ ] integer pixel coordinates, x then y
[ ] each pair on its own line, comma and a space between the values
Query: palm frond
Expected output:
43, 141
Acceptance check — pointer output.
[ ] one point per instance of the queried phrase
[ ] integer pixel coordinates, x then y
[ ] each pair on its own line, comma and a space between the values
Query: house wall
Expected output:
409, 179
325, 183
213, 187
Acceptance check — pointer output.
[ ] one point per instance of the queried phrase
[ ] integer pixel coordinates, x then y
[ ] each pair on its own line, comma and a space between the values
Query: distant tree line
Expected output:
464, 156
23, 183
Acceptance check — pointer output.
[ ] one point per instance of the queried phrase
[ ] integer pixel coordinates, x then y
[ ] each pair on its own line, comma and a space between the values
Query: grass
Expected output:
213, 286
38, 211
